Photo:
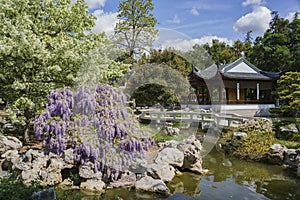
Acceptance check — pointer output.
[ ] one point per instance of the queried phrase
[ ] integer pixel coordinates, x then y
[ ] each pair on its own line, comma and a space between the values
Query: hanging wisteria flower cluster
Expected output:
96, 123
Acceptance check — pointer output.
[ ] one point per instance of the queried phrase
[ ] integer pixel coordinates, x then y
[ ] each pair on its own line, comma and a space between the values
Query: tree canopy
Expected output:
42, 46
136, 29
288, 92
279, 48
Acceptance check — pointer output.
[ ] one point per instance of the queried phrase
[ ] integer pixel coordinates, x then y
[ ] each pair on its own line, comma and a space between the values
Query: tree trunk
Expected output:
26, 134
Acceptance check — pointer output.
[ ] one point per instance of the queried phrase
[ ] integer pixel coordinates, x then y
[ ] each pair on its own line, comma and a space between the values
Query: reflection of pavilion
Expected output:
239, 82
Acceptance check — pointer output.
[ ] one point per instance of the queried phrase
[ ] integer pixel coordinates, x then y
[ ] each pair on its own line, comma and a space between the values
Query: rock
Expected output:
66, 184
33, 154
161, 171
264, 112
276, 148
87, 171
191, 148
128, 178
9, 143
298, 170
53, 176
92, 185
68, 156
239, 135
48, 194
29, 176
276, 154
170, 156
4, 174
289, 128
292, 158
21, 165
171, 144
11, 156
138, 166
227, 163
152, 185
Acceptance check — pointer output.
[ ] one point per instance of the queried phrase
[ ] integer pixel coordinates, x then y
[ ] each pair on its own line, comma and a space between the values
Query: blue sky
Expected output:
198, 21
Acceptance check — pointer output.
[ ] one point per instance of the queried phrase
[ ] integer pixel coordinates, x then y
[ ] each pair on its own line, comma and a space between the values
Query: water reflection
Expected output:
231, 178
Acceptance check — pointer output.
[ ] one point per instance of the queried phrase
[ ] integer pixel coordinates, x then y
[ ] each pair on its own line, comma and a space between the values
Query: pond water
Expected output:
228, 178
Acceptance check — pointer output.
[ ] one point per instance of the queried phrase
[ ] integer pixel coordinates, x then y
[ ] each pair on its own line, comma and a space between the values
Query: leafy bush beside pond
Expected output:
255, 145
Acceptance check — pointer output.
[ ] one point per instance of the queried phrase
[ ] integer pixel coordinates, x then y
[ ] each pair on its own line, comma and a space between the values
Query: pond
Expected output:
228, 178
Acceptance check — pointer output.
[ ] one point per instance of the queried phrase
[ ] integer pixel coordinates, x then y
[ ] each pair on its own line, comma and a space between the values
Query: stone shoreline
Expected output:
160, 165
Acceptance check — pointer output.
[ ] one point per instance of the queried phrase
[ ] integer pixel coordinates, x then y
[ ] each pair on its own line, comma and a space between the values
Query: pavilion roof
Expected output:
239, 69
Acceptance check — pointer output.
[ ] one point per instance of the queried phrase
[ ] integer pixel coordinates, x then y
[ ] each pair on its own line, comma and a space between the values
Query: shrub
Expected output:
260, 138
95, 122
14, 190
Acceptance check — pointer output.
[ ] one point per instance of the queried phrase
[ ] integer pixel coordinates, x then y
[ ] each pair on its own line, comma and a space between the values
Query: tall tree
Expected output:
42, 47
136, 29
171, 58
223, 53
278, 49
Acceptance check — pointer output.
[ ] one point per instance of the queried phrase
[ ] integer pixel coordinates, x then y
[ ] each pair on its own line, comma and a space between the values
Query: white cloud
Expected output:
187, 44
252, 2
194, 12
105, 22
257, 21
291, 16
175, 20
95, 3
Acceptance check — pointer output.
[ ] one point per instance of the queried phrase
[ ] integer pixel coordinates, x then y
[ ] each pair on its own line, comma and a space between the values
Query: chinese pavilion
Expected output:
239, 82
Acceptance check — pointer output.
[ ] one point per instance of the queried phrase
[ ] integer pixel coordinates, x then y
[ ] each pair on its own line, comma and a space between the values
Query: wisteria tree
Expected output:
95, 122
42, 46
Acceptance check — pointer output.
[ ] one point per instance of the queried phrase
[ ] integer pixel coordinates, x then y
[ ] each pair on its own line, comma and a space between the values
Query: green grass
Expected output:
160, 137
289, 144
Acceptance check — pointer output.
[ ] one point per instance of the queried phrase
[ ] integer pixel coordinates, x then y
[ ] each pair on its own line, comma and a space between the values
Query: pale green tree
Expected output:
43, 44
136, 29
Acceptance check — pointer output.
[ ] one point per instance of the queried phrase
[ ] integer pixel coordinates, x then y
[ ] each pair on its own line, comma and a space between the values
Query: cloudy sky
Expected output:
183, 23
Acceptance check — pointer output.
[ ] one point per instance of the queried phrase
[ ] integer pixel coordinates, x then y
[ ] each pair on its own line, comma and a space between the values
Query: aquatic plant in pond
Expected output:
94, 121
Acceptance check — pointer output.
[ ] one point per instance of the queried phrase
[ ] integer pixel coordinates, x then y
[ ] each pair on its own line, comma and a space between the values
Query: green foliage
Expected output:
198, 57
151, 94
288, 144
156, 83
14, 190
43, 46
223, 53
256, 145
161, 137
172, 59
288, 91
136, 29
279, 48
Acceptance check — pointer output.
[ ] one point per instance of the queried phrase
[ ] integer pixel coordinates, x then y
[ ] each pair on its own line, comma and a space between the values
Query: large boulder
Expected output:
10, 156
152, 185
292, 158
47, 194
163, 172
276, 153
53, 172
87, 171
170, 156
92, 185
9, 143
191, 149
